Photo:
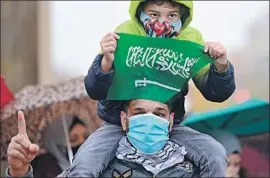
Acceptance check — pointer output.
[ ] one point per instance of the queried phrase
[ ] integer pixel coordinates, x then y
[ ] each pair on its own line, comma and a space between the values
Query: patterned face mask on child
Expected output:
160, 28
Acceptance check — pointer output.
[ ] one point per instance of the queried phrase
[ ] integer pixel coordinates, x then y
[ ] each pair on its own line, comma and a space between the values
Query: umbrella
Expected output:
42, 104
6, 95
255, 155
250, 122
255, 162
248, 118
254, 150
35, 96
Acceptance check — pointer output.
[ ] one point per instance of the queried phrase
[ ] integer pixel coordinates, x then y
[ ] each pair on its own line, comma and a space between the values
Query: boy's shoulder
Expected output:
191, 29
191, 34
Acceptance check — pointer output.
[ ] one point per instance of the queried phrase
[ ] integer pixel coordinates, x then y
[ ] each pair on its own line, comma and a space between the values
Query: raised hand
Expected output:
20, 150
219, 52
108, 46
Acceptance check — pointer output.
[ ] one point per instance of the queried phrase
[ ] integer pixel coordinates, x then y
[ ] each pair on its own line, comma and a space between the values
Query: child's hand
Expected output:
217, 51
108, 45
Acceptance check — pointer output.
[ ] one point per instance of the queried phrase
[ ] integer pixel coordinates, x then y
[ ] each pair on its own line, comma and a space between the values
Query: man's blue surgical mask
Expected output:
148, 133
160, 28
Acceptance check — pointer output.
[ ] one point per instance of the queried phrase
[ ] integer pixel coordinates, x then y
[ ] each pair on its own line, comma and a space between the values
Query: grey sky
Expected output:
78, 26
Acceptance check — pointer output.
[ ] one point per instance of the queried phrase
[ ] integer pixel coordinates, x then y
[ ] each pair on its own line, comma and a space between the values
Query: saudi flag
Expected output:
154, 68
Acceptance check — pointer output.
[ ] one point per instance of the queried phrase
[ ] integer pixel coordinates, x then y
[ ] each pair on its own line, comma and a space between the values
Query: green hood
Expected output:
134, 27
134, 5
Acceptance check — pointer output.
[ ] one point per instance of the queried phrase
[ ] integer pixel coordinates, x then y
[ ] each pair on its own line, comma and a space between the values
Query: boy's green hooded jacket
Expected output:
215, 87
134, 27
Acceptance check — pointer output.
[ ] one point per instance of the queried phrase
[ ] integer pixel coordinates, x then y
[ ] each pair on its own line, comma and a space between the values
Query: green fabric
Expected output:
154, 68
248, 118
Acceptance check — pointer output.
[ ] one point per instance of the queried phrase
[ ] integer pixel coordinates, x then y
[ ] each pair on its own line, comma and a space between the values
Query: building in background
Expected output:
19, 43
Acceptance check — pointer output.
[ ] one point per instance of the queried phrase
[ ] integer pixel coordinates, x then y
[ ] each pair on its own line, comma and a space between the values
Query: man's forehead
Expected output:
147, 104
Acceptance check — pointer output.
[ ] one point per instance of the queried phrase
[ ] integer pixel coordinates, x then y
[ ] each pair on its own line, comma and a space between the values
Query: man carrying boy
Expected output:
215, 82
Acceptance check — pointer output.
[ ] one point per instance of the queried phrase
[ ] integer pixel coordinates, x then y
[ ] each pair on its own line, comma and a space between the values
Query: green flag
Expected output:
154, 68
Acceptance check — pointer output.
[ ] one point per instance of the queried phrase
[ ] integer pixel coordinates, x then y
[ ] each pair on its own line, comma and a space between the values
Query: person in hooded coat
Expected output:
233, 149
216, 82
56, 159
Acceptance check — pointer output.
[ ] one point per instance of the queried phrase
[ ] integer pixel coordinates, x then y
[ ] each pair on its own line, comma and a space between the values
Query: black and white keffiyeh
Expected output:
170, 155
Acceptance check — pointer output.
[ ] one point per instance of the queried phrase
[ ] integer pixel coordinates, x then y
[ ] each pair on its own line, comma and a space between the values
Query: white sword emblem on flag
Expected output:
144, 82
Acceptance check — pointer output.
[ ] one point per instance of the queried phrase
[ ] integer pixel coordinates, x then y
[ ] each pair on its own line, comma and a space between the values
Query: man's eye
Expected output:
137, 113
160, 115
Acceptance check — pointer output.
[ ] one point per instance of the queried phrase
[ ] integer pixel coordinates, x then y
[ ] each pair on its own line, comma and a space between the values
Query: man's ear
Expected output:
171, 121
123, 117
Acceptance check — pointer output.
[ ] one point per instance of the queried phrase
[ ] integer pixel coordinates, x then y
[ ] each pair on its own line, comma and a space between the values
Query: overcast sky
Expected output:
78, 26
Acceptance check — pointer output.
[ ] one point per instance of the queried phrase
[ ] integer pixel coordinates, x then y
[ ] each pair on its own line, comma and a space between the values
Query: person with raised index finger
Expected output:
21, 151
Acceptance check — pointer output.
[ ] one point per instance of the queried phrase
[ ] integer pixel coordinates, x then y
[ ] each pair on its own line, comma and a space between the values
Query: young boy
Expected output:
153, 18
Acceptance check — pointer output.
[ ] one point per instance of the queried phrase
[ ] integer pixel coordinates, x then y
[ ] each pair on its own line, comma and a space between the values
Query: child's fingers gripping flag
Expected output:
154, 68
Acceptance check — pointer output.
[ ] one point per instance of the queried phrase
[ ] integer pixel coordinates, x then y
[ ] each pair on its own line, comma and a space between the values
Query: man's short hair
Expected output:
125, 105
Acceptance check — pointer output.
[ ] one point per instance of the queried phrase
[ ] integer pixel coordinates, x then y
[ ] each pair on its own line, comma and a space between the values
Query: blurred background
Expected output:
47, 42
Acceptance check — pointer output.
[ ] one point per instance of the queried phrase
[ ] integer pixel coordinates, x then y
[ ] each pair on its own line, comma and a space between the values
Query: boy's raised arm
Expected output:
100, 75
96, 81
215, 85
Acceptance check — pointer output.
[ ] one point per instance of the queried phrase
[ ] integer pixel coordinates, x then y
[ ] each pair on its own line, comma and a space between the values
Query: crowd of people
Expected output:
139, 137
